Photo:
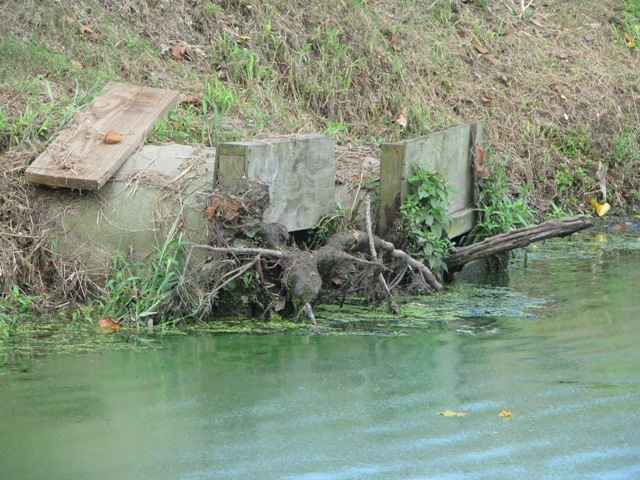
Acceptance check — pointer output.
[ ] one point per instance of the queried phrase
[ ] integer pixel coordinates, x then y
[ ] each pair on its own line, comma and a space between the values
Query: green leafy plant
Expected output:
503, 205
425, 218
15, 307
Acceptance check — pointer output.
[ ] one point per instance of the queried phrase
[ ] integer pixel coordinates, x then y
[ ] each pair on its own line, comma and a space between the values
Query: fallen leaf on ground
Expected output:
231, 207
76, 64
177, 51
403, 119
541, 204
480, 49
505, 414
194, 100
210, 211
619, 228
112, 137
451, 413
601, 209
628, 37
108, 323
482, 171
85, 29
486, 98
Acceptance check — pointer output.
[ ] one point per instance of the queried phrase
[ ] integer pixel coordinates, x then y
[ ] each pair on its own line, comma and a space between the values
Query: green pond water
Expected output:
556, 342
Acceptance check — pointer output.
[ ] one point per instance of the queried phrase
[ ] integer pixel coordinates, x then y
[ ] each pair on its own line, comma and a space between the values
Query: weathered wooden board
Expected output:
446, 152
79, 158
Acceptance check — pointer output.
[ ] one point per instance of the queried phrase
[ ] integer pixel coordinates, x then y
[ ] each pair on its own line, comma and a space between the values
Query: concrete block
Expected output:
445, 152
299, 171
133, 212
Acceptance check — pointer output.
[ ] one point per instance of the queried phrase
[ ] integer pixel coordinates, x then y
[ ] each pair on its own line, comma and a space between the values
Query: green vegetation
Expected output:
15, 308
503, 206
426, 220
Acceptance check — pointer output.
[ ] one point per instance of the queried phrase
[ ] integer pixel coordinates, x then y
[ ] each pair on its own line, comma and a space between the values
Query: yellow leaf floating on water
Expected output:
505, 414
600, 208
451, 413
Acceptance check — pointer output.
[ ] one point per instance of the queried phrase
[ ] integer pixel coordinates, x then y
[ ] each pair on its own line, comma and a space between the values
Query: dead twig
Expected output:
393, 306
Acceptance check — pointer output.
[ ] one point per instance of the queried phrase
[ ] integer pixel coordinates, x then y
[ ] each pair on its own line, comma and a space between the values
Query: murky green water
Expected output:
557, 343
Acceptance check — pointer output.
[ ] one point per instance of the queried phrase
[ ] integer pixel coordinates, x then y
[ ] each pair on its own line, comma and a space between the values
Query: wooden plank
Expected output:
392, 179
79, 158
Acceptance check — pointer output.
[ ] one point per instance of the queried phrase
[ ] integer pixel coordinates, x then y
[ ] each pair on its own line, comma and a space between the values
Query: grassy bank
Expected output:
557, 83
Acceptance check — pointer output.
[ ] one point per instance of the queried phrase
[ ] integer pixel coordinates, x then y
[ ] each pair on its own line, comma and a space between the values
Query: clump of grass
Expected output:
15, 307
148, 292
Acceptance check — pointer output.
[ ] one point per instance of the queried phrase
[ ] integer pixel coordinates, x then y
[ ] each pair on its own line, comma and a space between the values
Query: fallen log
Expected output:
515, 239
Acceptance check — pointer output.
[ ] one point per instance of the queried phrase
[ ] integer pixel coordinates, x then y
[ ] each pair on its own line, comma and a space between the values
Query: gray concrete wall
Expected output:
133, 212
300, 173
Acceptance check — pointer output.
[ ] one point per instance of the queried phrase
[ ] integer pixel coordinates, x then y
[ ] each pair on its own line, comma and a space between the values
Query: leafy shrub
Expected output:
425, 219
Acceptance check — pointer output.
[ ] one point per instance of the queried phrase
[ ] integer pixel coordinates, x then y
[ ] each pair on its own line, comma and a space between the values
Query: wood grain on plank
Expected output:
79, 157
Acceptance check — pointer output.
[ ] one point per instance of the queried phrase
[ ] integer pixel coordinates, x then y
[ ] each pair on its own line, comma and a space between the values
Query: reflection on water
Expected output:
342, 407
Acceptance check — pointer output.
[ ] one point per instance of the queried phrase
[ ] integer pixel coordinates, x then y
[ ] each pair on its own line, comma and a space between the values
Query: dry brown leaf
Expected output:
628, 37
76, 64
482, 171
70, 20
177, 51
231, 207
393, 39
112, 137
480, 49
619, 227
85, 29
403, 119
108, 323
486, 98
192, 100
210, 211
541, 204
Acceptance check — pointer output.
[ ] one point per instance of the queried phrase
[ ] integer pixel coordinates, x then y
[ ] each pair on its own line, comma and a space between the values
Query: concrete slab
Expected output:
445, 152
134, 211
299, 171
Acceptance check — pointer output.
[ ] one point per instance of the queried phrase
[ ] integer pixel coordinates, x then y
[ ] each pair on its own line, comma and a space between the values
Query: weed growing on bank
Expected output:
426, 220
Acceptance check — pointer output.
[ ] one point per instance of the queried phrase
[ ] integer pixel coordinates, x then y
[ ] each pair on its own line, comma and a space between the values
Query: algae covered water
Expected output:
554, 345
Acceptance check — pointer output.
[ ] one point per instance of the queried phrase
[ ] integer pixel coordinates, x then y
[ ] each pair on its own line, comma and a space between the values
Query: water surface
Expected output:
555, 342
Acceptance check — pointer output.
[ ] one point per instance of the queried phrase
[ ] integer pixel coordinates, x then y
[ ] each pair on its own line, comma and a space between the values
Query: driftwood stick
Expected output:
253, 251
516, 239
429, 277
393, 306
